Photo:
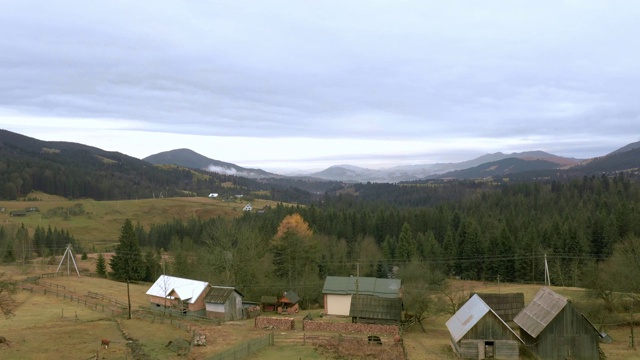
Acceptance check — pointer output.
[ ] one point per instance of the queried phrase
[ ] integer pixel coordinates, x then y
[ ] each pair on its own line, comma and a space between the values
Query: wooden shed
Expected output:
289, 303
477, 332
369, 309
506, 305
224, 303
552, 328
268, 303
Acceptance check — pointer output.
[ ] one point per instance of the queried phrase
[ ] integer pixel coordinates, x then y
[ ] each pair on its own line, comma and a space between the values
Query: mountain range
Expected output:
531, 164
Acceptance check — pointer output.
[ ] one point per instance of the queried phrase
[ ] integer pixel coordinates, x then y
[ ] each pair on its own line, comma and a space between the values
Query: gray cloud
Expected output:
557, 74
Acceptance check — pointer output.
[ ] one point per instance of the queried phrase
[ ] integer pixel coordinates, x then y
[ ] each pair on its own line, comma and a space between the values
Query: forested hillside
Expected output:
79, 171
493, 233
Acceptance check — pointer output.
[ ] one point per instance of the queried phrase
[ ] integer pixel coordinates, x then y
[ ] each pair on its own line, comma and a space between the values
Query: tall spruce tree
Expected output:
127, 263
101, 266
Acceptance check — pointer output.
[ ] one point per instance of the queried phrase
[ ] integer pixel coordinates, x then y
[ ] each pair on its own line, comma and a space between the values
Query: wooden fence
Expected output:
245, 349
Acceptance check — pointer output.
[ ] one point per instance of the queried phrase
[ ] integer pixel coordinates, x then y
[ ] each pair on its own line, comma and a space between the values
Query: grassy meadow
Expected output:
98, 224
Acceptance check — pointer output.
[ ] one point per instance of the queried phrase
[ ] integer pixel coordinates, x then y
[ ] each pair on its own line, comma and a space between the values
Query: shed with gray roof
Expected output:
224, 303
477, 332
553, 328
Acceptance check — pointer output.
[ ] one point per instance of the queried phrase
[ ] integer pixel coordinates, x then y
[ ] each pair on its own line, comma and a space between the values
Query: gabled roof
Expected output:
292, 297
219, 294
184, 289
540, 312
468, 316
346, 285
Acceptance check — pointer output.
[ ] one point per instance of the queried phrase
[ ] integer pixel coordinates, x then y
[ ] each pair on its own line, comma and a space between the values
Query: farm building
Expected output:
477, 332
247, 207
289, 303
224, 303
507, 305
338, 290
369, 309
268, 303
17, 213
554, 329
177, 294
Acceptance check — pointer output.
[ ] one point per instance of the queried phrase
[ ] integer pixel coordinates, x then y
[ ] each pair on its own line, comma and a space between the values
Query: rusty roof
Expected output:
540, 312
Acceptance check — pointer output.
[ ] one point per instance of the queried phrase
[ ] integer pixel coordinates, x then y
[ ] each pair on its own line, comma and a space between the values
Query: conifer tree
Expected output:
101, 266
127, 263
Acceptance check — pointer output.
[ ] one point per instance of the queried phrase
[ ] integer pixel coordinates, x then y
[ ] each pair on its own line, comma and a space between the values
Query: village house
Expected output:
552, 328
477, 332
247, 207
184, 296
224, 303
338, 291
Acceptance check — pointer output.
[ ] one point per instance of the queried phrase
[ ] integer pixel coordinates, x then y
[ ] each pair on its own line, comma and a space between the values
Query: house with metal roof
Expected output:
477, 332
338, 291
552, 328
186, 296
224, 303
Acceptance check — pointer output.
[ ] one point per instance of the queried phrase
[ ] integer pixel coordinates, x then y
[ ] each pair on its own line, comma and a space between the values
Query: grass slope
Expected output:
99, 222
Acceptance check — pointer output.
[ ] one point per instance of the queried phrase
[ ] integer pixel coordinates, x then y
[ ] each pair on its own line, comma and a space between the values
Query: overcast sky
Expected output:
309, 84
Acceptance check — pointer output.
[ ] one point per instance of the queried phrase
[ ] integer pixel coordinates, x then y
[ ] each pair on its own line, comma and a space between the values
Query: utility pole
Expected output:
547, 278
357, 285
129, 299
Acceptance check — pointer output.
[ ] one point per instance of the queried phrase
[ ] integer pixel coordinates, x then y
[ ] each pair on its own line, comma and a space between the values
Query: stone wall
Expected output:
312, 325
273, 323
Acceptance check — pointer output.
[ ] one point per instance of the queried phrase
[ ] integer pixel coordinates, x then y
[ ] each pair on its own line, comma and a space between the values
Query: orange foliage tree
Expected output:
293, 224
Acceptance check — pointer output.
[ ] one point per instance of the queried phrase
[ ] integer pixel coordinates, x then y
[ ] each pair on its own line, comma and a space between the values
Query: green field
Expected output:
99, 222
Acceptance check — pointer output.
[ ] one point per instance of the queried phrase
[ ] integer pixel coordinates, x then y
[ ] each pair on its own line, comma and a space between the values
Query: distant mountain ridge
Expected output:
191, 159
538, 159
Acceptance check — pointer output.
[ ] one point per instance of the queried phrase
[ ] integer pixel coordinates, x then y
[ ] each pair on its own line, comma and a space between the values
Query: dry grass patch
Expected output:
46, 327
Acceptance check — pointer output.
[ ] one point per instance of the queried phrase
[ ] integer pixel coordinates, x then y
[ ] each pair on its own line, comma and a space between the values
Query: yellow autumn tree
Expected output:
295, 252
293, 224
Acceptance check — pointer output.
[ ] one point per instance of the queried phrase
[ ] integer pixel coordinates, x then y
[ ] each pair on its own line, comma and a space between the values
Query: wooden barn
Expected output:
477, 332
368, 309
185, 296
338, 290
552, 328
507, 305
224, 303
288, 303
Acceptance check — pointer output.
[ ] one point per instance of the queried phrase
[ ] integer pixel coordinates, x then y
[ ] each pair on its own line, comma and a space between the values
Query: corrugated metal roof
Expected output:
540, 312
468, 316
185, 289
375, 307
343, 285
219, 294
